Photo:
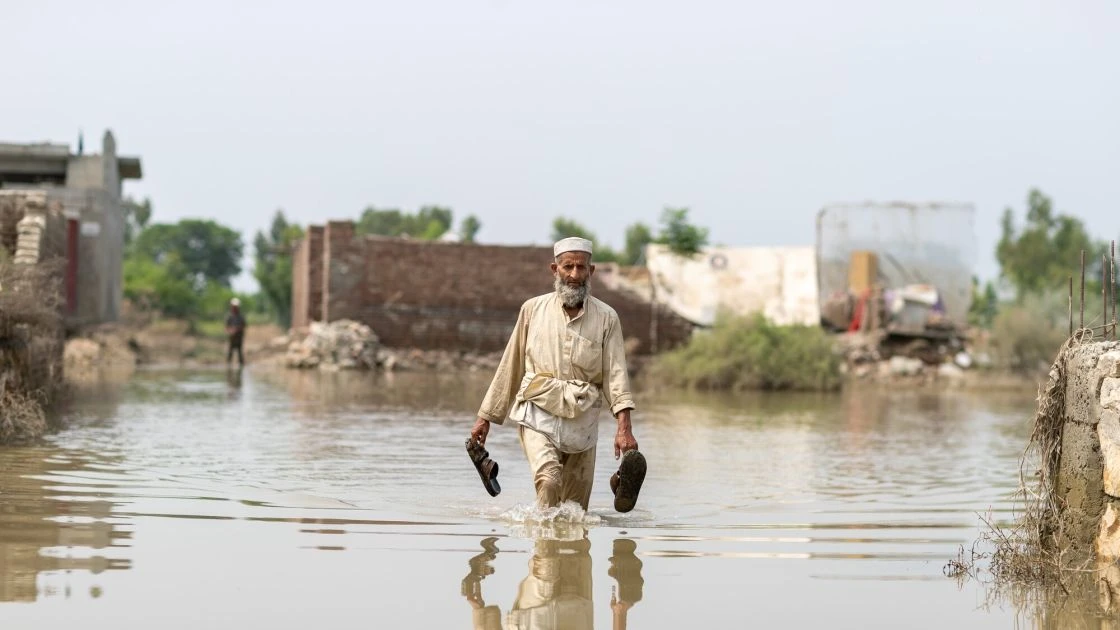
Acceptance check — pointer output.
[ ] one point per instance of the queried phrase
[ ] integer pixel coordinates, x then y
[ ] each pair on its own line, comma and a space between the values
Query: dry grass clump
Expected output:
31, 337
10, 215
31, 296
1028, 554
21, 416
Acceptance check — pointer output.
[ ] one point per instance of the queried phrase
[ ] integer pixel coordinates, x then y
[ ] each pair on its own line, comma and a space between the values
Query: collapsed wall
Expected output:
445, 296
1086, 484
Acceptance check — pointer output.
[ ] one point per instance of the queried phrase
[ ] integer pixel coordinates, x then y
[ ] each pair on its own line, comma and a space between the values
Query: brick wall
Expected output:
315, 273
436, 295
300, 282
344, 272
307, 278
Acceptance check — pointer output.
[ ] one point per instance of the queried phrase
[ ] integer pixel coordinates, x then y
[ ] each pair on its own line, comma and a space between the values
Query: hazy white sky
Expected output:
753, 114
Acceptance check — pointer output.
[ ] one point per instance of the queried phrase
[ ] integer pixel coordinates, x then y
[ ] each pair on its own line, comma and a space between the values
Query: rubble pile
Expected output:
406, 360
342, 344
347, 344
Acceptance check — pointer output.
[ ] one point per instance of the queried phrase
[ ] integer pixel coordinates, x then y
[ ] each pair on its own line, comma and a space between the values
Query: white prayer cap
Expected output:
571, 244
235, 302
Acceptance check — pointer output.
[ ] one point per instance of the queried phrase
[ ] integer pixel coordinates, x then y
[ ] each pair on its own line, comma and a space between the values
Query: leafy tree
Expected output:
161, 286
563, 227
1047, 250
207, 251
985, 304
273, 265
638, 236
682, 237
136, 217
428, 223
469, 228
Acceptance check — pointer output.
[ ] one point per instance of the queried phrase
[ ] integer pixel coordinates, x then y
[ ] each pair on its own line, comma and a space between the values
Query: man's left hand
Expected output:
624, 441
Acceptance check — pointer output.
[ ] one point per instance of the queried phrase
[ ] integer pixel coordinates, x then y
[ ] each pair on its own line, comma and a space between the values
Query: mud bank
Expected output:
166, 342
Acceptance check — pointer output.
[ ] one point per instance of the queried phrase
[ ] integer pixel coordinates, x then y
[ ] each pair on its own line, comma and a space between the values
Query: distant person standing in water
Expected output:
563, 364
235, 330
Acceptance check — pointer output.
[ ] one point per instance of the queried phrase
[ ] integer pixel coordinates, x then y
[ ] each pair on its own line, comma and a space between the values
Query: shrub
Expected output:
1027, 334
741, 353
30, 347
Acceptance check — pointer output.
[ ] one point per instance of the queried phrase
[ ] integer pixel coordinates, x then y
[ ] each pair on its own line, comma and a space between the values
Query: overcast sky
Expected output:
753, 114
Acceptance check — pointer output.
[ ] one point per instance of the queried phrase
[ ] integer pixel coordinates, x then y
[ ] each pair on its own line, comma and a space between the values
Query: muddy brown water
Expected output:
188, 499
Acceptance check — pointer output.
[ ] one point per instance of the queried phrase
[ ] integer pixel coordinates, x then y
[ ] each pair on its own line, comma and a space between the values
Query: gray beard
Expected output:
571, 296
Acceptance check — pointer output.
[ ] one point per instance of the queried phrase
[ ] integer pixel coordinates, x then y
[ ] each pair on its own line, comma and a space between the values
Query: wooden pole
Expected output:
1104, 294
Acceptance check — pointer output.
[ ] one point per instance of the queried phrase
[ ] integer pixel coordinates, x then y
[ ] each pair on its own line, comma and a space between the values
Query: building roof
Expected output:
50, 160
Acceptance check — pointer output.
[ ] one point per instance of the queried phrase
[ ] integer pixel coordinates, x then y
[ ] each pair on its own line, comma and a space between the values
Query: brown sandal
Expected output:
486, 467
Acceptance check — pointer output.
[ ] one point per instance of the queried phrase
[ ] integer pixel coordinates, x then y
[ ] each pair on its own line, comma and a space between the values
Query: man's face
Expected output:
571, 272
573, 268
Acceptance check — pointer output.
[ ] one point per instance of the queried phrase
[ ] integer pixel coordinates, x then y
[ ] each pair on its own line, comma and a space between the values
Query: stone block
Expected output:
1110, 393
1109, 363
1108, 538
1083, 381
1108, 431
1080, 483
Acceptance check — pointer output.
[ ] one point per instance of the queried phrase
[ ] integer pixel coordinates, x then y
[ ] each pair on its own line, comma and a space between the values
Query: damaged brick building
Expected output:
444, 295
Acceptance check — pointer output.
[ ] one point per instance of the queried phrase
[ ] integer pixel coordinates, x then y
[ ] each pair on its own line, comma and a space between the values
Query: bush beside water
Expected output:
1026, 334
744, 353
30, 347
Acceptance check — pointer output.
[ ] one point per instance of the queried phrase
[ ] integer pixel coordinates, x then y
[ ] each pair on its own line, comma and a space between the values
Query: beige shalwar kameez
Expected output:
555, 376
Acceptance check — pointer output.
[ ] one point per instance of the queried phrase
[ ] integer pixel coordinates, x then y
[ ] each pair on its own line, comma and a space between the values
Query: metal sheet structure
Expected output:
931, 244
780, 282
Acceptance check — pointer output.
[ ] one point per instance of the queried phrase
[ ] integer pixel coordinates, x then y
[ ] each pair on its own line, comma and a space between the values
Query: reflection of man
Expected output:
556, 594
563, 363
235, 331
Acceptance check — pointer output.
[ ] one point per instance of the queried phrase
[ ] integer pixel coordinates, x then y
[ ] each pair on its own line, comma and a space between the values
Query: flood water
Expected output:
190, 499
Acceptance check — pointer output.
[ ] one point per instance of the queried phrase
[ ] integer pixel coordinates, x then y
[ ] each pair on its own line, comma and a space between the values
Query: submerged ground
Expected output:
284, 499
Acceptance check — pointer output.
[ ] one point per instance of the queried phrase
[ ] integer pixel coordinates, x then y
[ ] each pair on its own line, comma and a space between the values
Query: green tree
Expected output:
1047, 250
207, 251
679, 234
469, 228
985, 304
160, 286
428, 223
638, 236
563, 227
272, 265
136, 217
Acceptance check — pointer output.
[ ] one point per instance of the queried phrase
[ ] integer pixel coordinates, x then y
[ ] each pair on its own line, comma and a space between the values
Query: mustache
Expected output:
572, 294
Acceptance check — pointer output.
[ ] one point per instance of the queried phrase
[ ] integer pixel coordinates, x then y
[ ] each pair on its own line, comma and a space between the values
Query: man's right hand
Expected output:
481, 428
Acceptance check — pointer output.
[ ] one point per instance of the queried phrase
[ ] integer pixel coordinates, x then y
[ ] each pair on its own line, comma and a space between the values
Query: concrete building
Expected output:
87, 189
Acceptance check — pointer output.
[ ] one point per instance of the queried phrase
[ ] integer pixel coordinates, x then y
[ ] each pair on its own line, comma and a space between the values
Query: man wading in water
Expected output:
235, 331
563, 363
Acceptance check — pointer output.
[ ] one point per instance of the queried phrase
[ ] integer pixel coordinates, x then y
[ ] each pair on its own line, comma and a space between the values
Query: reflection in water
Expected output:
556, 594
53, 523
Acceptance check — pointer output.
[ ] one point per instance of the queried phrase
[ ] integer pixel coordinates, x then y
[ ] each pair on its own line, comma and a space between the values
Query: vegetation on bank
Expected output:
30, 347
743, 353
1037, 259
677, 232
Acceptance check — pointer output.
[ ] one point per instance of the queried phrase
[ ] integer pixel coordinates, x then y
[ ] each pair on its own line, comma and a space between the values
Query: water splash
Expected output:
567, 521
